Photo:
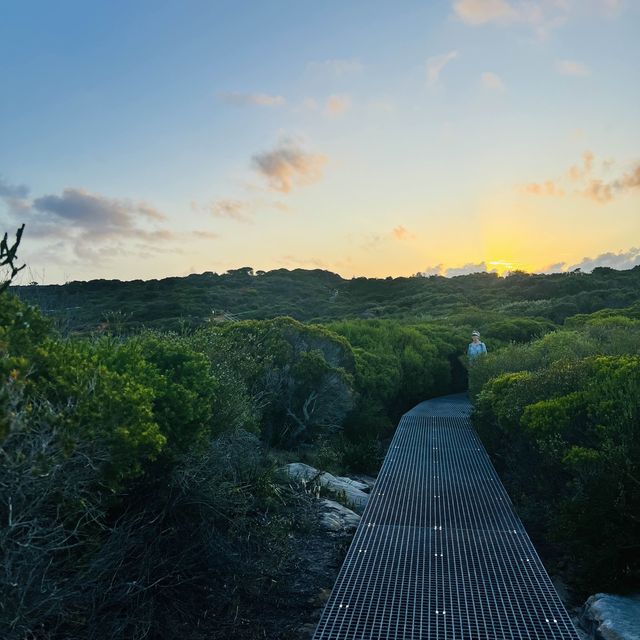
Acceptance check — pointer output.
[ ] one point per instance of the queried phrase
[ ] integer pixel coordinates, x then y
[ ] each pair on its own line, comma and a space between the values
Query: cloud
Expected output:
84, 226
15, 196
235, 209
280, 206
337, 105
239, 210
207, 235
252, 99
336, 67
436, 64
401, 233
556, 267
621, 260
577, 173
470, 267
588, 184
13, 190
95, 212
598, 191
604, 191
476, 12
542, 16
612, 7
492, 81
150, 212
546, 188
451, 272
436, 270
288, 165
572, 68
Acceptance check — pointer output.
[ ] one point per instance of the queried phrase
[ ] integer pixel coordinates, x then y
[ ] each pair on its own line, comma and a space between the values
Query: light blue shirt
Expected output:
475, 350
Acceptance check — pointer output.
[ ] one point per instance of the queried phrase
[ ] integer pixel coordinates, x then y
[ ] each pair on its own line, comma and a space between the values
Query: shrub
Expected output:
567, 441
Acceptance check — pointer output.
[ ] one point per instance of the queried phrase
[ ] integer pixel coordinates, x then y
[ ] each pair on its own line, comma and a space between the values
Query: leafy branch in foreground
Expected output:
8, 257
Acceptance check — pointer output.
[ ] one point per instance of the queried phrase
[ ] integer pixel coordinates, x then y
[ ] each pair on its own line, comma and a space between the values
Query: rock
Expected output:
352, 490
610, 617
336, 517
352, 482
366, 480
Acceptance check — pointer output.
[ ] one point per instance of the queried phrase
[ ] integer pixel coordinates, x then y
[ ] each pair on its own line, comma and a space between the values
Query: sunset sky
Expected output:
150, 138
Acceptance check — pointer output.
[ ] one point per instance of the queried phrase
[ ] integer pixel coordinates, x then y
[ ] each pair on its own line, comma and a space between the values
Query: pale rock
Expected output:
611, 617
353, 491
336, 517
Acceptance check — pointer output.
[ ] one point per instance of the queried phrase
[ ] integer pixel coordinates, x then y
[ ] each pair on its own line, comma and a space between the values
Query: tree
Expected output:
8, 257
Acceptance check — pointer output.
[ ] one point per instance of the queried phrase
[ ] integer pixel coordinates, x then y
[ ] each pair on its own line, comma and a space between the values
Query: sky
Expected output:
160, 138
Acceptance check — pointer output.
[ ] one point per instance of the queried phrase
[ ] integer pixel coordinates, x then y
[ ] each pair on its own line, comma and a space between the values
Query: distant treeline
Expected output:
323, 296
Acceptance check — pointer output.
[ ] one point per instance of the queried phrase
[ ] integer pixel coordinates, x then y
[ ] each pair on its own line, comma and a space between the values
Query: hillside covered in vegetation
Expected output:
322, 296
142, 439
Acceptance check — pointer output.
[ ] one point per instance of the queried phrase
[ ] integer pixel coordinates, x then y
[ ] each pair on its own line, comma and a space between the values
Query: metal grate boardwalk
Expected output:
439, 553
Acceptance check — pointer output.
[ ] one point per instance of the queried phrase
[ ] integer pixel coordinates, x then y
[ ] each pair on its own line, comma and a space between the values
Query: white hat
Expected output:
475, 333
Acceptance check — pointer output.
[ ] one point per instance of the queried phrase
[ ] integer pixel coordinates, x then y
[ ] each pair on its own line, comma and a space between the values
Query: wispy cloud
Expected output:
478, 12
333, 106
450, 272
541, 16
578, 172
436, 64
586, 181
238, 210
612, 7
8, 190
337, 105
572, 68
492, 81
401, 233
251, 99
546, 188
605, 191
205, 235
14, 196
289, 165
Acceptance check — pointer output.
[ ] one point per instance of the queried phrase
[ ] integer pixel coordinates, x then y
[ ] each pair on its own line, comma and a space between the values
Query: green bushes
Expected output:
175, 556
89, 399
396, 366
609, 335
300, 377
132, 502
566, 439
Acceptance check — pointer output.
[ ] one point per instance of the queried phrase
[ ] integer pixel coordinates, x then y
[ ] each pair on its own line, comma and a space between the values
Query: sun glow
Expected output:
502, 267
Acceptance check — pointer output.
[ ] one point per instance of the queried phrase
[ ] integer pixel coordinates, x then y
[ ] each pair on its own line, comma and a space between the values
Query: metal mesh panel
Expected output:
439, 553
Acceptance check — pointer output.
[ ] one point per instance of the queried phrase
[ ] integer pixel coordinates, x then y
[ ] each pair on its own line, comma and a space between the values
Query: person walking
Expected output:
475, 346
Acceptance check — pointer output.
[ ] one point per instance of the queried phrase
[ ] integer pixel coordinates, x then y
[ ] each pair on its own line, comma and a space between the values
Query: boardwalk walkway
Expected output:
439, 553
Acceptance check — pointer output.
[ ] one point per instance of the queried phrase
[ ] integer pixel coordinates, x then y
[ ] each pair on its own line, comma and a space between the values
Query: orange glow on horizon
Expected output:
502, 267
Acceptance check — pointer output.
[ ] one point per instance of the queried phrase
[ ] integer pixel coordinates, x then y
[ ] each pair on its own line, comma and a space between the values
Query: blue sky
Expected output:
146, 139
